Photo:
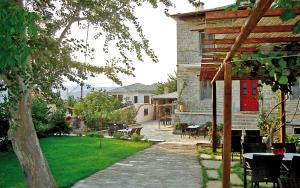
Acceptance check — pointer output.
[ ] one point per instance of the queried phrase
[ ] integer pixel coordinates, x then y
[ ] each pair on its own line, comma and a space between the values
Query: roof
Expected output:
198, 13
166, 96
137, 87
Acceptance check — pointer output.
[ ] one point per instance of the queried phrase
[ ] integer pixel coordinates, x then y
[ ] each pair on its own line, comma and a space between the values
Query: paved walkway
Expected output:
151, 130
165, 165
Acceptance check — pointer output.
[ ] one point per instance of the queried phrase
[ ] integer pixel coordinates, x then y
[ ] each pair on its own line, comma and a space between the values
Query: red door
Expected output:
249, 95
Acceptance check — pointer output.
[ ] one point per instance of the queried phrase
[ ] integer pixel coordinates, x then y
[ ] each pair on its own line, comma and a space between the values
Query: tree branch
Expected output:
73, 19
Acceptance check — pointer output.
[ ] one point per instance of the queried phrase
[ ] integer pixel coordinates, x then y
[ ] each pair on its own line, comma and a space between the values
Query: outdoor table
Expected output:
249, 157
193, 129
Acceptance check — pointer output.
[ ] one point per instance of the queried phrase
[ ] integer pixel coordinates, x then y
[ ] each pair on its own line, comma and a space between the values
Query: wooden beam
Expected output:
250, 49
233, 14
211, 61
227, 125
214, 117
214, 56
257, 12
256, 29
252, 40
282, 117
246, 49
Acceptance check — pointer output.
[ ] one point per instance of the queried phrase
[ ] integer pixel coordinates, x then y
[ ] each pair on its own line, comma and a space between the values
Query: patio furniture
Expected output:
294, 171
132, 131
236, 146
115, 126
248, 160
290, 147
254, 147
183, 128
252, 132
288, 183
236, 133
265, 168
138, 130
252, 139
193, 130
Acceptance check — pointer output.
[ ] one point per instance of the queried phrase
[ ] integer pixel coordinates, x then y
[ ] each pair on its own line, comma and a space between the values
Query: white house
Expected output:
136, 93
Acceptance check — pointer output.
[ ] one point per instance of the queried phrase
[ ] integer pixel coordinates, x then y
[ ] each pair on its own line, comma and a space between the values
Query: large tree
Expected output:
37, 52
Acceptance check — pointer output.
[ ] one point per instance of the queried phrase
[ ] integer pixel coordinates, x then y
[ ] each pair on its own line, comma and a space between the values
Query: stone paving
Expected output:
161, 166
151, 130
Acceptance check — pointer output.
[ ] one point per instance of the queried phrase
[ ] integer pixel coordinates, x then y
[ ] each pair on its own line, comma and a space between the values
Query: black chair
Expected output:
252, 132
236, 132
236, 146
254, 147
290, 147
138, 130
252, 139
289, 183
295, 168
265, 168
183, 128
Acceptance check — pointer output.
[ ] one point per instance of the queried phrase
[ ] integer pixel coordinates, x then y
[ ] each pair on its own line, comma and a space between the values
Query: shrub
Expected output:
92, 134
136, 137
42, 129
118, 135
293, 139
58, 122
40, 116
208, 125
124, 115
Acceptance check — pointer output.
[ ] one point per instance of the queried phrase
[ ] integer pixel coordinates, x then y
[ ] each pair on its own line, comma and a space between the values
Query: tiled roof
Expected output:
166, 96
137, 87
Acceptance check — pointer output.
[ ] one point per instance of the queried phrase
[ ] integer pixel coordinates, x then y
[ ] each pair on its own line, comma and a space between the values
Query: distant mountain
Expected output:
76, 92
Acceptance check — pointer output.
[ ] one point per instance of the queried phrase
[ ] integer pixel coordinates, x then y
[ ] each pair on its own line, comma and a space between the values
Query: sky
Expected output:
160, 30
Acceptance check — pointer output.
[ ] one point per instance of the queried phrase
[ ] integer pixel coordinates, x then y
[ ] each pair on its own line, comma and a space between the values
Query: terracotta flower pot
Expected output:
183, 107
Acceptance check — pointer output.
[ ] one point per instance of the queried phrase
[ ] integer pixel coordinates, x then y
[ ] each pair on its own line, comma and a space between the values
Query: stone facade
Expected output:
199, 109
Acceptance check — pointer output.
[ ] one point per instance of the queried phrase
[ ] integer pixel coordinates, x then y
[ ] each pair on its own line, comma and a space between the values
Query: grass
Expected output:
70, 159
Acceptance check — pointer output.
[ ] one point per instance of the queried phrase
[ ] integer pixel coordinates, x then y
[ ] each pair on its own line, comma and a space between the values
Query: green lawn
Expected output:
70, 159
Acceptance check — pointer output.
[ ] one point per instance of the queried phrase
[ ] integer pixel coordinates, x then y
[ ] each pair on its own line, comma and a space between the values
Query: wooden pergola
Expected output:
250, 27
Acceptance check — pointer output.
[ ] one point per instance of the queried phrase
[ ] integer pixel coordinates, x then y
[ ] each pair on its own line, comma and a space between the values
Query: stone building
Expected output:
196, 93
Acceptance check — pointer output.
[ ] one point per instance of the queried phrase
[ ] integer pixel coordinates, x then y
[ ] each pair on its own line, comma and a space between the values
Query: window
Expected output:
205, 90
254, 88
296, 90
120, 98
244, 88
146, 112
136, 99
115, 96
146, 99
296, 130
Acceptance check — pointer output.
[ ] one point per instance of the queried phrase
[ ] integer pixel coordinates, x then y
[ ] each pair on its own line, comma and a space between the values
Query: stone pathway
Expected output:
151, 130
161, 166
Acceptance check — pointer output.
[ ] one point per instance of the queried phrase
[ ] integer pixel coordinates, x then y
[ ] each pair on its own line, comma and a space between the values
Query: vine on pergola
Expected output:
271, 65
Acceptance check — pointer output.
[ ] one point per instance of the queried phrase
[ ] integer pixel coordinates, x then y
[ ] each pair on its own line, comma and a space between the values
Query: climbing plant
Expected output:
271, 65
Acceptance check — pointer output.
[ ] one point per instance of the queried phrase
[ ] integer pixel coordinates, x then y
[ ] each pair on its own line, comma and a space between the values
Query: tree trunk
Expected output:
23, 135
27, 148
